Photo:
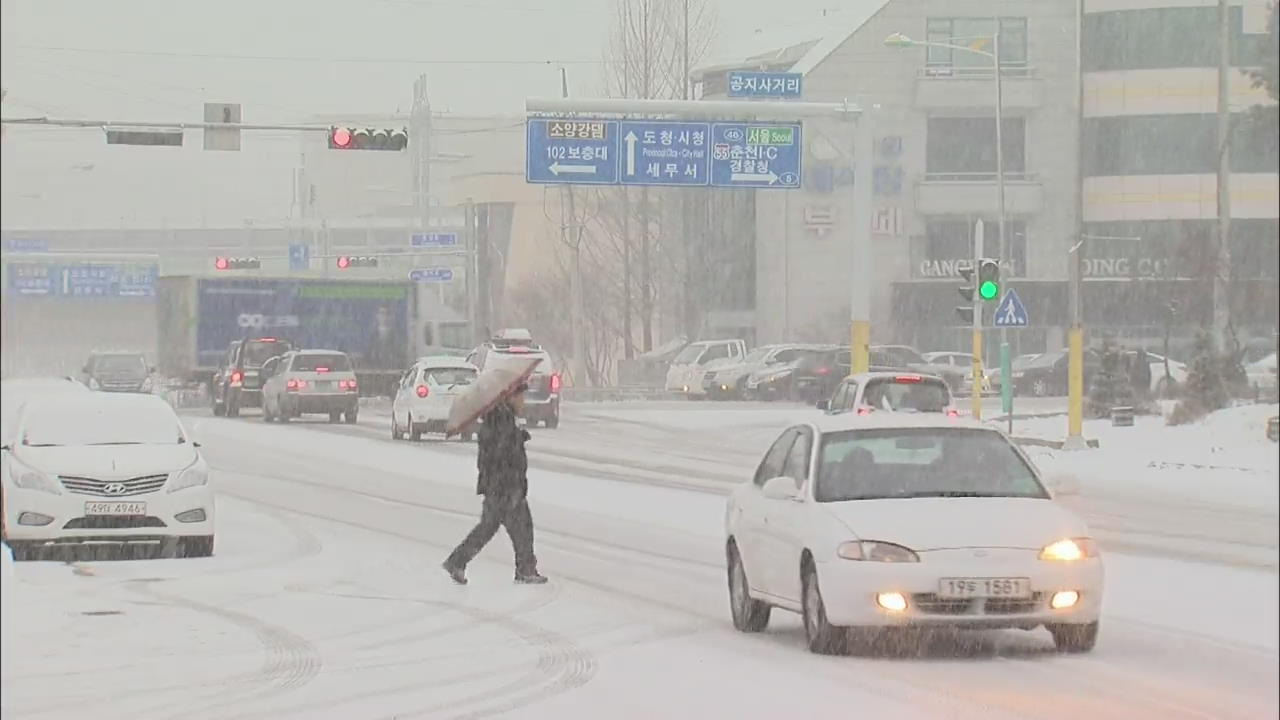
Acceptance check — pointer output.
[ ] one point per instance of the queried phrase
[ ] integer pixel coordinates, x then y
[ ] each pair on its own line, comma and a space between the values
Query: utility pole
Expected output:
1222, 263
571, 231
1075, 267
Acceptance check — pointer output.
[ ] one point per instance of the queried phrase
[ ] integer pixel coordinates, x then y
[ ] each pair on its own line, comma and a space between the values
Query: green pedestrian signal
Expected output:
989, 280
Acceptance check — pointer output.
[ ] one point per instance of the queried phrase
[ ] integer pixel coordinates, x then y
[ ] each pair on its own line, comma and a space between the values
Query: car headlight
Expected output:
32, 479
875, 551
1069, 550
194, 476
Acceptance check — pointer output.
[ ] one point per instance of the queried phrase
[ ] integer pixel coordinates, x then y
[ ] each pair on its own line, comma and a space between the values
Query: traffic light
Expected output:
965, 312
236, 263
357, 261
345, 138
988, 279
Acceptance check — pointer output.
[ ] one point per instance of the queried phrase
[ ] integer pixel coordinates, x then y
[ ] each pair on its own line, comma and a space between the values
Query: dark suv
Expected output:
118, 372
542, 399
238, 383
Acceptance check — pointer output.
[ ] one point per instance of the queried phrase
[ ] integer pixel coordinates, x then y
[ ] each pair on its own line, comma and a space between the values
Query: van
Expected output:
688, 369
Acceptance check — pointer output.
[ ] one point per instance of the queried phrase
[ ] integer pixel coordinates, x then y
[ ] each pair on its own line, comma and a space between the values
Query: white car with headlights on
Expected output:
105, 468
869, 525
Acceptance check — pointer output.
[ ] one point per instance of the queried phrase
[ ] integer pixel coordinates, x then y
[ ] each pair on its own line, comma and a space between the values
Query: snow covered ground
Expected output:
325, 599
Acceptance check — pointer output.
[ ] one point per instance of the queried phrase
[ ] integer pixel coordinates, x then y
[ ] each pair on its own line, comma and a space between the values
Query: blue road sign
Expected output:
747, 84
434, 240
83, 280
763, 155
34, 245
299, 256
580, 151
1011, 312
663, 153
432, 275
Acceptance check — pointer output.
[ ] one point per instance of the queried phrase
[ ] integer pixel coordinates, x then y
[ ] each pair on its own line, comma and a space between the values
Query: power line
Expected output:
313, 59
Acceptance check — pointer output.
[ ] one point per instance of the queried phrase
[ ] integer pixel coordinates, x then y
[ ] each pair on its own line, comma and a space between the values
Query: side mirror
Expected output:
781, 488
1064, 485
824, 404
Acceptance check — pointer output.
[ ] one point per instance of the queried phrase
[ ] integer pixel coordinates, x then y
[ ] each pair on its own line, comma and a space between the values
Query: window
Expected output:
976, 33
796, 465
715, 352
925, 396
771, 466
448, 377
313, 363
1172, 145
1168, 37
965, 148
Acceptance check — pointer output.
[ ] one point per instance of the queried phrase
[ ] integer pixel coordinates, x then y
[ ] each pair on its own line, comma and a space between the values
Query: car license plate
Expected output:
324, 385
984, 587
115, 508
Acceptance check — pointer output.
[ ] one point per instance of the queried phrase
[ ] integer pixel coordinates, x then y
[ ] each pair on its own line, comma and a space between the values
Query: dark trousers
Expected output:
512, 514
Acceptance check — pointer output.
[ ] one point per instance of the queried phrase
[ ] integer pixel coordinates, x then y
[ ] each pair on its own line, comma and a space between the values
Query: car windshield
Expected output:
81, 424
921, 462
907, 394
321, 363
258, 352
449, 376
689, 355
120, 364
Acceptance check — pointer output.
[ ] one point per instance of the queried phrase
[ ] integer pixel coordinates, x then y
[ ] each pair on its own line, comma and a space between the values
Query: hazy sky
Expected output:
284, 61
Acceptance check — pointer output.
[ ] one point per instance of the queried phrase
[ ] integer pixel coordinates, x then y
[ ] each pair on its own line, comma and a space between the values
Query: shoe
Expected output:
457, 574
533, 578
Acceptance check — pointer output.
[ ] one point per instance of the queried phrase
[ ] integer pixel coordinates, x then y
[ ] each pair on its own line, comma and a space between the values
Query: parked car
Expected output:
426, 393
687, 370
238, 382
816, 376
778, 381
962, 362
310, 381
1017, 363
1262, 376
1047, 373
105, 468
894, 391
542, 399
908, 358
730, 379
869, 526
118, 372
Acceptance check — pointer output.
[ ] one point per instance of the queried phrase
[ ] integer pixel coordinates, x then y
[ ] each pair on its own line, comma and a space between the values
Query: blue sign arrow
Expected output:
664, 153
434, 239
578, 151
1011, 312
432, 275
299, 256
759, 155
747, 84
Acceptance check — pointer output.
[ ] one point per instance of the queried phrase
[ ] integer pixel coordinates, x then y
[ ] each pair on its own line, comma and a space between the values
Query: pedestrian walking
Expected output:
502, 480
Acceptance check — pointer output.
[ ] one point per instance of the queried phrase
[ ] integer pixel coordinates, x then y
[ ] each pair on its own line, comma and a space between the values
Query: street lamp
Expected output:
899, 40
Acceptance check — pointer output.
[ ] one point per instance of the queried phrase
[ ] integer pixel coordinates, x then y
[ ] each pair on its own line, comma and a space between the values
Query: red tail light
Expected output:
236, 377
266, 339
953, 413
322, 369
555, 382
824, 371
865, 410
295, 384
908, 379
349, 385
423, 391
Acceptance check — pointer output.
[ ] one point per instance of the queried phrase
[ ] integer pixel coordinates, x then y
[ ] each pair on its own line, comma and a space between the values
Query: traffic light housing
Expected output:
965, 312
236, 263
349, 138
345, 262
989, 280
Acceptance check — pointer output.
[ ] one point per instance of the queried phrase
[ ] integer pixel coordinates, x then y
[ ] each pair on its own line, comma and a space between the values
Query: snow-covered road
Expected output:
325, 599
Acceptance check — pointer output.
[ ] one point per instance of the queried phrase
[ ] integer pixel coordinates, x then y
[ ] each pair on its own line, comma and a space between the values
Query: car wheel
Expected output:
396, 434
285, 415
219, 409
1074, 638
1040, 387
552, 422
823, 637
335, 416
199, 546
415, 432
749, 615
352, 416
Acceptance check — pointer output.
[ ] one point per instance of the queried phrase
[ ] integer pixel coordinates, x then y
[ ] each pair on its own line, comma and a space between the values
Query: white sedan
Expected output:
865, 525
426, 394
105, 468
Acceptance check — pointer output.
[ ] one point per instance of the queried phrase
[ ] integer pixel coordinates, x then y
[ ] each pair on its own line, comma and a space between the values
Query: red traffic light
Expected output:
221, 263
340, 138
344, 262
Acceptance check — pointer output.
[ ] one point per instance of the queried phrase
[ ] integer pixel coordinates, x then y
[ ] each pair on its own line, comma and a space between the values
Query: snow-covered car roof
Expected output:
445, 361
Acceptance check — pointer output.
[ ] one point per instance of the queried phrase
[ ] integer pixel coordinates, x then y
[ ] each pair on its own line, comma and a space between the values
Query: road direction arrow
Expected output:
557, 169
769, 177
631, 153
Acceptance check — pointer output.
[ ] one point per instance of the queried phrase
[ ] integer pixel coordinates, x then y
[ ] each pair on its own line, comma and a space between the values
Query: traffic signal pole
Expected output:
976, 394
860, 285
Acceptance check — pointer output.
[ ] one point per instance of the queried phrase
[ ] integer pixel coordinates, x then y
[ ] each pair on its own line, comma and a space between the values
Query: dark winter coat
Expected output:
501, 461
